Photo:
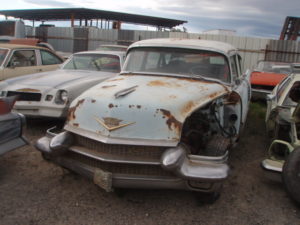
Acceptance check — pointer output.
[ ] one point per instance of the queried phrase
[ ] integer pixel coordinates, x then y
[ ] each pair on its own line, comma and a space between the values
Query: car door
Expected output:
48, 61
20, 62
241, 84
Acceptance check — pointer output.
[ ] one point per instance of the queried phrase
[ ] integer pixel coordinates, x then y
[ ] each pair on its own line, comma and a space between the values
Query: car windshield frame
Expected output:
181, 62
3, 55
94, 62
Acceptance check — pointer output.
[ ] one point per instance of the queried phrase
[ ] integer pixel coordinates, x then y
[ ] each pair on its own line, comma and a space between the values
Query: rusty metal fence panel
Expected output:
61, 38
143, 35
83, 38
100, 37
284, 51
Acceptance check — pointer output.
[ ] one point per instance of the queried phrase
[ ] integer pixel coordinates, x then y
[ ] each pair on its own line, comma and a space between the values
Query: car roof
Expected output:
122, 53
16, 46
222, 47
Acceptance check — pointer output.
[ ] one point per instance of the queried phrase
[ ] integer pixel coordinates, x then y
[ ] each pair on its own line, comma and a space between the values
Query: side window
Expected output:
239, 62
21, 58
49, 59
234, 69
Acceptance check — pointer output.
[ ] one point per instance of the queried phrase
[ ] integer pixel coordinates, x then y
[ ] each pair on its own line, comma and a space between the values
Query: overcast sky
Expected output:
262, 18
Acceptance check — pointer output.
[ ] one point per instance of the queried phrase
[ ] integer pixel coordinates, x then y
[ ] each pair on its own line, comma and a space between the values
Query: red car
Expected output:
266, 76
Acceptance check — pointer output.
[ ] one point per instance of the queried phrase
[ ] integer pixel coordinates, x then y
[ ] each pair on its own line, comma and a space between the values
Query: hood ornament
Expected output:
111, 124
125, 91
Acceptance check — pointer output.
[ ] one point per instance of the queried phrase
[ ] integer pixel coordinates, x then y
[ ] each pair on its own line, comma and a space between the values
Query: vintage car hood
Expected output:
140, 109
56, 79
264, 78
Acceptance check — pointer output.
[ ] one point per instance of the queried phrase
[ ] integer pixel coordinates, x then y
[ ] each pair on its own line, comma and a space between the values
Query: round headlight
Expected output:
64, 96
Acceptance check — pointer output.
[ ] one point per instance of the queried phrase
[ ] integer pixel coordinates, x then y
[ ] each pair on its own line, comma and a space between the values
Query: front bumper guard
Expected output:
185, 167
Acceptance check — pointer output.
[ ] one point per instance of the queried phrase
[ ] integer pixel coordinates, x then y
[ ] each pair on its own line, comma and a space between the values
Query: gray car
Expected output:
11, 125
49, 94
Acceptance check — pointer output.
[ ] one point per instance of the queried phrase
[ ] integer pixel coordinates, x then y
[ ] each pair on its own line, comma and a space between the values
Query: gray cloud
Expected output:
252, 17
51, 3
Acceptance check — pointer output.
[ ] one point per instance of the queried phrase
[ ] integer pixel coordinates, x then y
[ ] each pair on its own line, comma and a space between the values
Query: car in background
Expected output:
266, 76
167, 120
17, 60
112, 48
283, 126
11, 126
49, 94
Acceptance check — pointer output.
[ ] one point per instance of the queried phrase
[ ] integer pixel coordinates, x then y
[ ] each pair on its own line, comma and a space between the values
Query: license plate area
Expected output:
103, 179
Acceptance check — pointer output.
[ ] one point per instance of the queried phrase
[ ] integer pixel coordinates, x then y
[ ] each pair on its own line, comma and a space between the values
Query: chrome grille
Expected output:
146, 152
25, 96
128, 169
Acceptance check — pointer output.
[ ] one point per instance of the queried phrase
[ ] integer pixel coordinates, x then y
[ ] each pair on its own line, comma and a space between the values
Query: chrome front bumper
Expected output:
40, 110
272, 169
181, 170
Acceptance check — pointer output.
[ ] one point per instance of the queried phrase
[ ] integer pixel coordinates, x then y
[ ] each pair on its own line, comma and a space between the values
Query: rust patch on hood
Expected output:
160, 83
233, 98
172, 122
71, 112
187, 108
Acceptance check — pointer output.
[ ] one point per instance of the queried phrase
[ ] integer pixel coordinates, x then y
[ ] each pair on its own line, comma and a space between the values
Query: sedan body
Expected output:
17, 60
167, 121
266, 76
49, 94
283, 126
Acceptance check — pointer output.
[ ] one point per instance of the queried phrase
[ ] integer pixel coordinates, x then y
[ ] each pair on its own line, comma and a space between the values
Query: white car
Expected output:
49, 94
17, 60
167, 121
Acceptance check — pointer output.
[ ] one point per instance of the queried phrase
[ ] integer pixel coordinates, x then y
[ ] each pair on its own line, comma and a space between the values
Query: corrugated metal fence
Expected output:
81, 39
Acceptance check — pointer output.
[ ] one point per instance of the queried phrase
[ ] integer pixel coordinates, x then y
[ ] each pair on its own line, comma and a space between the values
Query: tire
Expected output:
207, 198
291, 175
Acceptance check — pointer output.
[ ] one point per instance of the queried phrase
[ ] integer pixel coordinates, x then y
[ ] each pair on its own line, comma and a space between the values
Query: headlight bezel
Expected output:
61, 97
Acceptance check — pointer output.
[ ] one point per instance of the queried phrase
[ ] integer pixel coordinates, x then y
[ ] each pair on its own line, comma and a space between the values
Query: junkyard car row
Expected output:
167, 120
49, 94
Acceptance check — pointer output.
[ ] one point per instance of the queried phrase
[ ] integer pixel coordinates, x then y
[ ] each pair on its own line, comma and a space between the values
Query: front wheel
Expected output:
291, 175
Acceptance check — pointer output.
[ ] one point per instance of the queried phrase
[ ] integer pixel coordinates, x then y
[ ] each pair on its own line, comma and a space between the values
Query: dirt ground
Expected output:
34, 191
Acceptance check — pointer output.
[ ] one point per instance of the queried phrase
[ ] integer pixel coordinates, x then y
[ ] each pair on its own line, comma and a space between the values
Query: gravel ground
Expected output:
34, 191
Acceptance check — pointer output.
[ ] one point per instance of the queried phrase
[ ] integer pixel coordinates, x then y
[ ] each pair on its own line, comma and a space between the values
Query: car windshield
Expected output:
94, 62
274, 67
3, 53
178, 61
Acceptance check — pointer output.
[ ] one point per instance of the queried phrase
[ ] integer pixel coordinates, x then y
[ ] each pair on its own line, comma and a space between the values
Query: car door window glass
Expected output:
234, 70
3, 53
49, 59
23, 58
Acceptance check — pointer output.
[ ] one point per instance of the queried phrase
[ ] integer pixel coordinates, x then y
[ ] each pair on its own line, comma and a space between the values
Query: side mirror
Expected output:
270, 97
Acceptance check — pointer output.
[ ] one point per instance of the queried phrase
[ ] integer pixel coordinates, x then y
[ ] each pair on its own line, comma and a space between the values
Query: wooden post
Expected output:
72, 20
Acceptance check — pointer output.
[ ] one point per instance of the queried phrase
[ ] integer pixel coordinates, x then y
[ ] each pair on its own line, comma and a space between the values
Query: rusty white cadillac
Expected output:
166, 121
